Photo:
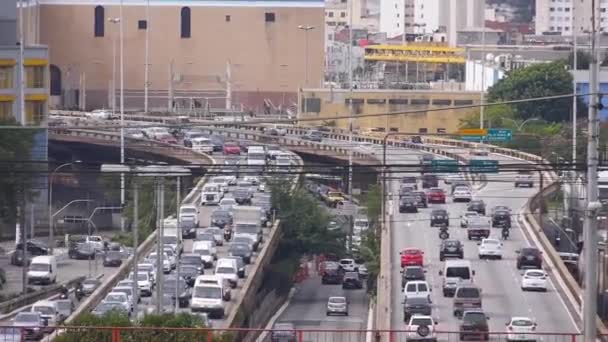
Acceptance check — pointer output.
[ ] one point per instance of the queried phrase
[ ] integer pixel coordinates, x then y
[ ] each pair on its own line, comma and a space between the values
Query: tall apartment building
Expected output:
556, 16
396, 17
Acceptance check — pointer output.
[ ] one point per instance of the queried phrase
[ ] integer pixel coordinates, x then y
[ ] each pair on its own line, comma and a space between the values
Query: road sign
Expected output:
444, 165
473, 131
499, 134
483, 165
475, 138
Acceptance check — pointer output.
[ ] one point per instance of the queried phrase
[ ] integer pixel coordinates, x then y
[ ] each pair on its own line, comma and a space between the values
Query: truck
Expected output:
247, 214
478, 227
332, 198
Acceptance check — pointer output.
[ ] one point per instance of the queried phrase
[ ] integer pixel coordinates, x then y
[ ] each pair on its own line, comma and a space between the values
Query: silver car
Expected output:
337, 306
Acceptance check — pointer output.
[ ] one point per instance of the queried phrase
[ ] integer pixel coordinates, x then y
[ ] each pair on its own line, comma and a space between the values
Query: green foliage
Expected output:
538, 80
494, 116
583, 59
369, 250
373, 203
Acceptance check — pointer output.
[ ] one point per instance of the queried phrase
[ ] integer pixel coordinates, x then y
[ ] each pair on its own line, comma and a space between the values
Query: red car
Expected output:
232, 148
436, 195
412, 257
168, 139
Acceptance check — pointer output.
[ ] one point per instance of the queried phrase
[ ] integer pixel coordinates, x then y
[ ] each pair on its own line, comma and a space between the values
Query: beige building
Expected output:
196, 39
425, 107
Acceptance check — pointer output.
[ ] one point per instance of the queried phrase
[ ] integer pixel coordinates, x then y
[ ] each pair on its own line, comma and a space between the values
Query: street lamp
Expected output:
51, 233
521, 125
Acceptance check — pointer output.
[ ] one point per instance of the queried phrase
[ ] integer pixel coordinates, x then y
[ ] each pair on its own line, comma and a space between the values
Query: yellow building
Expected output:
423, 111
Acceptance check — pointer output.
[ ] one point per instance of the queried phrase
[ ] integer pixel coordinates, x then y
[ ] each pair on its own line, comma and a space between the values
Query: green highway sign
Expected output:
483, 165
499, 134
475, 138
444, 165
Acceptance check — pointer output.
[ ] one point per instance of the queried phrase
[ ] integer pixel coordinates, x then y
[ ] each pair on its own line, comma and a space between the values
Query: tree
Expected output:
538, 80
494, 116
583, 59
369, 250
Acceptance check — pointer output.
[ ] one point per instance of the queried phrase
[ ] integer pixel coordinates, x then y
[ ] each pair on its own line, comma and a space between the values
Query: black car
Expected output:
529, 257
188, 227
112, 259
192, 259
501, 218
184, 292
221, 218
81, 250
451, 249
430, 181
408, 205
352, 280
218, 142
405, 190
421, 199
411, 273
416, 306
478, 206
17, 258
34, 248
409, 180
474, 325
332, 273
241, 250
440, 217
240, 264
242, 196
189, 273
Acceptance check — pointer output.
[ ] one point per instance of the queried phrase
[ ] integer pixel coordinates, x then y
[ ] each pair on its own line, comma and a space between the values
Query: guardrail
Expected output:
30, 298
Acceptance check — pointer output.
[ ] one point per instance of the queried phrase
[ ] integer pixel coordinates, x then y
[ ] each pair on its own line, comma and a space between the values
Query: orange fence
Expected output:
137, 334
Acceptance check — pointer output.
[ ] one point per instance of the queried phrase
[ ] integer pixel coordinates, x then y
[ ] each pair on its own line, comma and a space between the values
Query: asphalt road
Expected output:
499, 279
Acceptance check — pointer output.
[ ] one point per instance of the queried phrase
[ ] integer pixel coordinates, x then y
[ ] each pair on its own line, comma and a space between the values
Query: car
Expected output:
462, 195
348, 265
521, 329
436, 195
218, 234
474, 324
421, 200
32, 325
421, 328
193, 259
337, 305
65, 307
524, 178
48, 311
412, 257
409, 181
352, 280
332, 273
242, 250
221, 182
283, 332
232, 147
240, 265
467, 217
501, 218
247, 240
188, 227
242, 196
529, 257
490, 249
89, 285
34, 248
167, 139
408, 204
81, 250
17, 258
144, 282
189, 273
406, 190
452, 177
451, 249
416, 306
417, 288
227, 203
429, 181
466, 296
104, 307
440, 217
363, 271
221, 218
128, 290
478, 206
313, 136
412, 273
188, 136
171, 287
112, 259
534, 279
119, 297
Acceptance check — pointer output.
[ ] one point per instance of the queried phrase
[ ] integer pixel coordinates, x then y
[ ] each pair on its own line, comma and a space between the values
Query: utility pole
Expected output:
483, 72
350, 102
590, 229
147, 58
574, 98
122, 116
22, 230
170, 95
135, 244
23, 118
160, 210
178, 197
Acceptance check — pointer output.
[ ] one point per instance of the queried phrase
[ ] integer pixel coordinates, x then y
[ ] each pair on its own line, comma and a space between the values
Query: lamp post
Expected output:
114, 21
521, 125
51, 233
122, 116
306, 28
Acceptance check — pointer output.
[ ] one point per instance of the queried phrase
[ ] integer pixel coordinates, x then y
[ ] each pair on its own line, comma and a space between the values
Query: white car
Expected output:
165, 259
218, 234
144, 283
221, 182
255, 180
521, 329
189, 211
231, 179
100, 114
468, 216
421, 328
462, 195
452, 177
348, 265
211, 194
534, 279
417, 288
262, 187
121, 298
170, 252
227, 203
367, 148
490, 248
361, 225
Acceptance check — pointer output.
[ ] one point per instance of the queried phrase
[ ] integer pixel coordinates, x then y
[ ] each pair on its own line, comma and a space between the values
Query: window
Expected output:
567, 9
142, 25
55, 80
34, 76
422, 130
6, 110
342, 14
34, 111
227, 19
331, 14
6, 77
100, 20
269, 17
185, 22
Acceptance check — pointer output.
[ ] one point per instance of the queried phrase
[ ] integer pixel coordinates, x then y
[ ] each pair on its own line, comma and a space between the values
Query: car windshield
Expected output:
90, 282
220, 214
39, 267
337, 300
171, 240
115, 298
142, 276
240, 193
205, 237
451, 244
103, 307
224, 270
44, 310
413, 271
189, 269
113, 255
241, 239
535, 274
475, 317
207, 292
190, 259
529, 251
239, 248
522, 323
421, 321
214, 231
64, 305
468, 292
471, 214
491, 242
458, 272
123, 290
27, 317
411, 252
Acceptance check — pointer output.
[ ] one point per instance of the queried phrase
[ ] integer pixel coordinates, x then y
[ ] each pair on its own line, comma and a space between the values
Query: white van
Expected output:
228, 269
206, 250
208, 298
171, 237
43, 269
212, 279
211, 194
202, 144
189, 212
48, 311
456, 273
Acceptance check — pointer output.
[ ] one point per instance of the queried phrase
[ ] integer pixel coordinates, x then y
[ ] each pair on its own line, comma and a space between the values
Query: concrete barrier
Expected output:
18, 303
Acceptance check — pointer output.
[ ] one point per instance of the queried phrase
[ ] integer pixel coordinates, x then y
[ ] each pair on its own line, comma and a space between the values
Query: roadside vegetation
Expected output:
369, 250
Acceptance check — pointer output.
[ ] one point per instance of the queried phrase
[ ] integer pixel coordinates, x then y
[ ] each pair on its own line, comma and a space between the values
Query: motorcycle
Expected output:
227, 234
65, 292
79, 294
443, 233
505, 233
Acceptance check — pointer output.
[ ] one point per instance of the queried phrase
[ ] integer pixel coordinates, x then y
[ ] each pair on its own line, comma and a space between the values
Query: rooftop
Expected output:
191, 3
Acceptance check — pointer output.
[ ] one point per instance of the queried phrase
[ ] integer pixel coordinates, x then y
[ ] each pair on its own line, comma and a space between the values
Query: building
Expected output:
558, 17
582, 87
325, 104
248, 51
480, 75
336, 14
396, 17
